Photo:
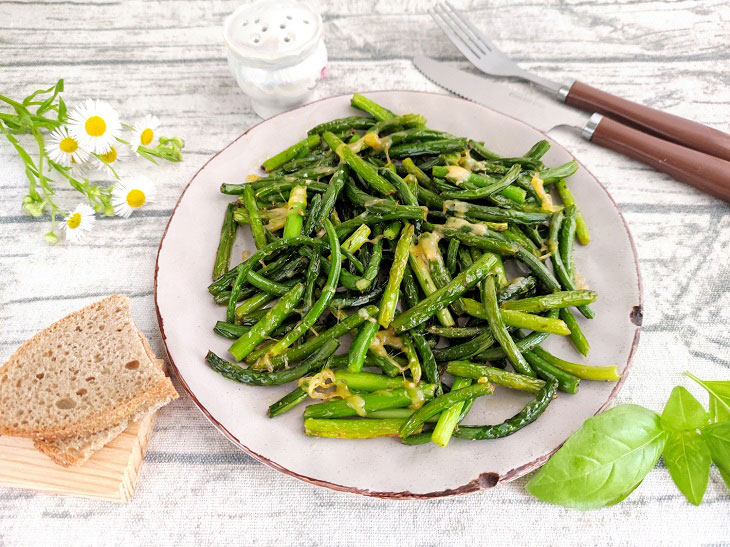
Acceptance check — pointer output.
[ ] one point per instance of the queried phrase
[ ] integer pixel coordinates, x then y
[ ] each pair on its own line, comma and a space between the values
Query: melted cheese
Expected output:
457, 174
252, 178
276, 212
275, 224
454, 223
470, 163
580, 281
415, 395
386, 338
324, 386
459, 208
357, 403
389, 338
264, 363
363, 313
539, 186
373, 141
428, 246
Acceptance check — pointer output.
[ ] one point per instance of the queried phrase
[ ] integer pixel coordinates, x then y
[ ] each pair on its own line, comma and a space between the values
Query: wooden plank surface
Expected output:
110, 474
167, 58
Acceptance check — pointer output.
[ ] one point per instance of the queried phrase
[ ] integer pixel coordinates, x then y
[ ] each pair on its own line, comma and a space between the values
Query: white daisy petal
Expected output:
110, 161
130, 194
144, 132
95, 125
82, 170
64, 149
79, 222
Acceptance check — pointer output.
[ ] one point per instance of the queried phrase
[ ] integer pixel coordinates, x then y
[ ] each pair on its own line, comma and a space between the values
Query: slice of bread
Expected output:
83, 375
76, 450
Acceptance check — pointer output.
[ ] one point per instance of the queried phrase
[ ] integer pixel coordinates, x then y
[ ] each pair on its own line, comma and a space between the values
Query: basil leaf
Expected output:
683, 411
719, 398
717, 437
602, 462
718, 412
725, 476
688, 460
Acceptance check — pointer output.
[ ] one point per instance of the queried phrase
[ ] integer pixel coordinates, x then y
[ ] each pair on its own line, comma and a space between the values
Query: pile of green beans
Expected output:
377, 227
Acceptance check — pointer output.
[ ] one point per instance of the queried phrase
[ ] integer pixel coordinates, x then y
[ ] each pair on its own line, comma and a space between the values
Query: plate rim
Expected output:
484, 480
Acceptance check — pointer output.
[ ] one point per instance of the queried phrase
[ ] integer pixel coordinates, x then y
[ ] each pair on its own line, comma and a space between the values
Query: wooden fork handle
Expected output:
707, 173
668, 126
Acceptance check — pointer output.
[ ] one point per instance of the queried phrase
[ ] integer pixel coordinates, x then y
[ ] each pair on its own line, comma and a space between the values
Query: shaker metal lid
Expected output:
270, 31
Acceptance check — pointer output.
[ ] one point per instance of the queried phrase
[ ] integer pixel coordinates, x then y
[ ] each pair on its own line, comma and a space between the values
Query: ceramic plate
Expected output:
385, 467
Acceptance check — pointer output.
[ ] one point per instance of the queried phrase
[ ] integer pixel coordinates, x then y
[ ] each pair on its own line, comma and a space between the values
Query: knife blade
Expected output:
523, 102
706, 172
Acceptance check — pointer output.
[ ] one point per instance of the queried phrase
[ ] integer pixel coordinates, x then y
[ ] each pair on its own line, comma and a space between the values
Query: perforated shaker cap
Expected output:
272, 31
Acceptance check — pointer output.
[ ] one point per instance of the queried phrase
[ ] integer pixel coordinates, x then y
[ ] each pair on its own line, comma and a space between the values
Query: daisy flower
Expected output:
81, 169
95, 125
64, 149
78, 222
144, 132
130, 194
110, 160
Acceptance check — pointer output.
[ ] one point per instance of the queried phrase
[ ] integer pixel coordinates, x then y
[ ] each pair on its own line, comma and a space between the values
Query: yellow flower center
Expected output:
95, 126
136, 198
146, 137
68, 145
75, 221
110, 157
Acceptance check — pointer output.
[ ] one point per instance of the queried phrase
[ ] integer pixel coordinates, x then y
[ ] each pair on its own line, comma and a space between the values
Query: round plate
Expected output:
385, 467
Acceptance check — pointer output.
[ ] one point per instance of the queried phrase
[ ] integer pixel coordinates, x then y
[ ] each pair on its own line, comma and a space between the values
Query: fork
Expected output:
484, 55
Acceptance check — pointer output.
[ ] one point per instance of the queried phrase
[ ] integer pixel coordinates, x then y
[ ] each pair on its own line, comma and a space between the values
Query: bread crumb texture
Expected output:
74, 451
83, 374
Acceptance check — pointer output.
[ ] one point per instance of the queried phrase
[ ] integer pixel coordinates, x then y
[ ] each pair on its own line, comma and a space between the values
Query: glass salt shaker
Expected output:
276, 53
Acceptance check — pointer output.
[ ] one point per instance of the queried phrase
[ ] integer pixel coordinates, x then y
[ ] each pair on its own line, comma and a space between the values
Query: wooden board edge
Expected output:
136, 459
13, 475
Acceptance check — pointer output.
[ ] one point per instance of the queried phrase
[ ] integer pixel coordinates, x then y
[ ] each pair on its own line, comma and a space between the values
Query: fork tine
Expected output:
461, 31
457, 23
460, 44
479, 35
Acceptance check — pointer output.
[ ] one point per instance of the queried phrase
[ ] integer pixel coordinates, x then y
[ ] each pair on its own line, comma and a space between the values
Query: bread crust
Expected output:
68, 456
161, 391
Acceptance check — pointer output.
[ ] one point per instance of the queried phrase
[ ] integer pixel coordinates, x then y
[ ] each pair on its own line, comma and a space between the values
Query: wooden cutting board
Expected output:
110, 474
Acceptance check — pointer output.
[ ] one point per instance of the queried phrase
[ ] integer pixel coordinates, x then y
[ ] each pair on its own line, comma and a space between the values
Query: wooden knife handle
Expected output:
708, 173
668, 126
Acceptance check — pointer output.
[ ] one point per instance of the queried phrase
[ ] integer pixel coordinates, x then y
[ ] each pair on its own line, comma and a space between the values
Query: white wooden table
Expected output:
166, 57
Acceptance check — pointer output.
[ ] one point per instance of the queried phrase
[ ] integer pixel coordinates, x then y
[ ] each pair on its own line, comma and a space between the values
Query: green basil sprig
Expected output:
609, 456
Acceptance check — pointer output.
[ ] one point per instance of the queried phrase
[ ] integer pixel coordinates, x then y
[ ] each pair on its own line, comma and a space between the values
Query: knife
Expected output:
703, 171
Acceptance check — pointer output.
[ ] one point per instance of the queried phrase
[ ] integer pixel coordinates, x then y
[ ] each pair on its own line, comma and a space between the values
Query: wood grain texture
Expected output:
110, 474
167, 57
